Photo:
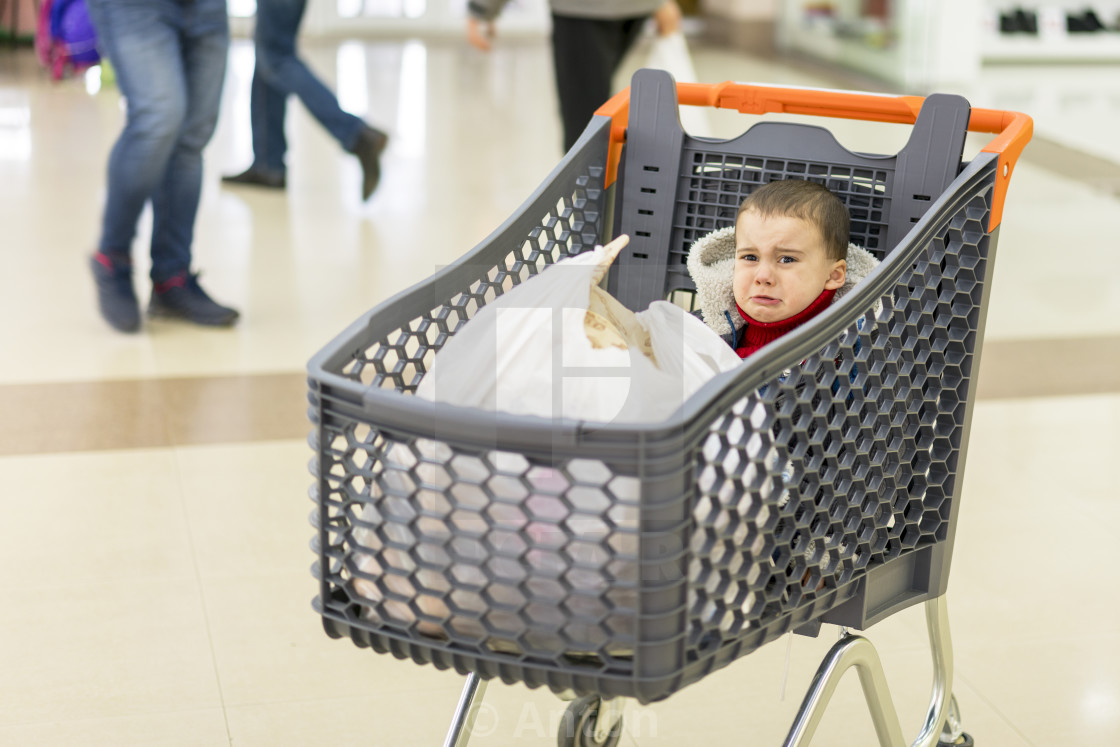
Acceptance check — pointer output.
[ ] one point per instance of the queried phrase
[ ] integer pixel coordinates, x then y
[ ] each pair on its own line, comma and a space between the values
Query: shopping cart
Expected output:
817, 483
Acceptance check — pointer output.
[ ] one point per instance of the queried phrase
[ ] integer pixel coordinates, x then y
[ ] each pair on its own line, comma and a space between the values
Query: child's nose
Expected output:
764, 274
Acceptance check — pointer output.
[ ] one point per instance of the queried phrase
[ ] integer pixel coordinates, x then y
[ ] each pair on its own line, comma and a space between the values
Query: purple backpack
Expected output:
65, 38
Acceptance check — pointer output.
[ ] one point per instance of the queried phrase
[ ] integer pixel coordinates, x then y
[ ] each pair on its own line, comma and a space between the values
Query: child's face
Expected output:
780, 266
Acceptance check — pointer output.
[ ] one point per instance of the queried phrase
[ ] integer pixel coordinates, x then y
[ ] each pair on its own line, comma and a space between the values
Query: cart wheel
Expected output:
964, 740
951, 734
577, 728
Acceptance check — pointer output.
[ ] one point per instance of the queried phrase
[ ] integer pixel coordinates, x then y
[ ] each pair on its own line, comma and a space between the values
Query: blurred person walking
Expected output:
170, 60
589, 40
279, 72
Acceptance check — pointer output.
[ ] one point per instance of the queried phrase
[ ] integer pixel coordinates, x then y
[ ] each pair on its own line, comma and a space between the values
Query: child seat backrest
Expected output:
673, 188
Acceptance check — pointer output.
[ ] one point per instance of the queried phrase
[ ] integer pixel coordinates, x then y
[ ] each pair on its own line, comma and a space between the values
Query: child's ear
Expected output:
837, 276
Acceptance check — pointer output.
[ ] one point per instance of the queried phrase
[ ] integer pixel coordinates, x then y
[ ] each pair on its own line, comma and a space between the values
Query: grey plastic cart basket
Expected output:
820, 482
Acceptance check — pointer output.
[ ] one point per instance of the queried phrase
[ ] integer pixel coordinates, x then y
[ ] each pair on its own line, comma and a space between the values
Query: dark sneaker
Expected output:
368, 150
258, 178
182, 297
115, 294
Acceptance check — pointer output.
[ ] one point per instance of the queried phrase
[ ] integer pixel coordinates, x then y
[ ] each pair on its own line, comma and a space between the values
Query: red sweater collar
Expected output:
758, 334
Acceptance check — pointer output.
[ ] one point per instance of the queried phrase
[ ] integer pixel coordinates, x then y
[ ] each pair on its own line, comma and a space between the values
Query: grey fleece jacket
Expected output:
488, 9
711, 263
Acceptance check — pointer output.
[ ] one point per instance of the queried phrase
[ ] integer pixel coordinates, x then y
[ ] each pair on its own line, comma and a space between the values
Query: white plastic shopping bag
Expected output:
543, 348
670, 53
540, 347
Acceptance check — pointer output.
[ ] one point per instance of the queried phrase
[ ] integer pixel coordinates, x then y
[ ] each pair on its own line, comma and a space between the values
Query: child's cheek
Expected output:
737, 289
739, 282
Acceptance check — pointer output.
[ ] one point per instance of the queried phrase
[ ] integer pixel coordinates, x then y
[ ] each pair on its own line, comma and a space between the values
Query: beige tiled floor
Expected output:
161, 596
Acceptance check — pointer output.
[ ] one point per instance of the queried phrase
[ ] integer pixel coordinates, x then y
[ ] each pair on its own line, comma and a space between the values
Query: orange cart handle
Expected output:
1014, 129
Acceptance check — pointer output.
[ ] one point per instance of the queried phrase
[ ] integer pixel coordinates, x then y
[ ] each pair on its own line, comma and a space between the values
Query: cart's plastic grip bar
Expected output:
1015, 129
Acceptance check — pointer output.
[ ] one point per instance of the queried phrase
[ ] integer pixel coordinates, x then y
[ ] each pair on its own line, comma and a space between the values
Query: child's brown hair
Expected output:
807, 201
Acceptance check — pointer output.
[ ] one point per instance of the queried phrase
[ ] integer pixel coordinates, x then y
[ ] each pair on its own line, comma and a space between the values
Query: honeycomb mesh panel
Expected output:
847, 460
485, 551
399, 359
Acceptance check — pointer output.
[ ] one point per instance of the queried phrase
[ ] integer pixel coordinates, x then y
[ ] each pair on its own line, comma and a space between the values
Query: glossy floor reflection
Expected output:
154, 584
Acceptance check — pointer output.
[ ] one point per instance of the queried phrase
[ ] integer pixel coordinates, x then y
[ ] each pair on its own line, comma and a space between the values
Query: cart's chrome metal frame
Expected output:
851, 651
462, 723
858, 652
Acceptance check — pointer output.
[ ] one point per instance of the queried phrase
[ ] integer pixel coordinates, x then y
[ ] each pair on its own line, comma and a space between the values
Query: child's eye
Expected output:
786, 260
748, 258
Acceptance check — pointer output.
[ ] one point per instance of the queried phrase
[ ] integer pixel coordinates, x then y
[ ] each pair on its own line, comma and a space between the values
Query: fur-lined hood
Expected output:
711, 263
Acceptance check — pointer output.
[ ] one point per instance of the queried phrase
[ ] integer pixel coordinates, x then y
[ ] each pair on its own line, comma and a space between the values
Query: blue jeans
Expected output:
170, 61
279, 72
